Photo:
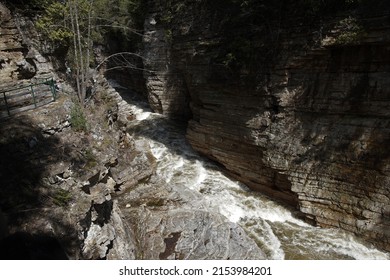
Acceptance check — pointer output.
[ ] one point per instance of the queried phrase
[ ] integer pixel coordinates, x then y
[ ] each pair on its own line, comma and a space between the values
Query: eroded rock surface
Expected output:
172, 223
19, 56
168, 222
293, 110
94, 194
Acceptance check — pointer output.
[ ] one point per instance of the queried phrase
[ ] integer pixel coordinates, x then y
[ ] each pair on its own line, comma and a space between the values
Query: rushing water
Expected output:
273, 227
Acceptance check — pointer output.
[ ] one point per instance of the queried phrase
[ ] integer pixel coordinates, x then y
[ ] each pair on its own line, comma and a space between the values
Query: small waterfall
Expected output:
273, 227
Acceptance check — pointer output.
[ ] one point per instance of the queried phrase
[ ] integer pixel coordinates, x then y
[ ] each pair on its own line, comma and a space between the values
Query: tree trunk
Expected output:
76, 54
83, 84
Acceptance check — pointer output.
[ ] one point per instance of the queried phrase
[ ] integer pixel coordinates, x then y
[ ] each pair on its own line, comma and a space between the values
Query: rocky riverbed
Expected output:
94, 194
309, 128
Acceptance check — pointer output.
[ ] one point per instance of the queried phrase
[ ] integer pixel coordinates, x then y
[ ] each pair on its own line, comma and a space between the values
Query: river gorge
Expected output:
274, 227
236, 130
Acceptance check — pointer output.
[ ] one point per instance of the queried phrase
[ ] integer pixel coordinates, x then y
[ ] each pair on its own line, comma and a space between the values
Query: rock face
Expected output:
167, 92
297, 109
19, 57
10, 46
95, 195
123, 210
172, 223
162, 221
92, 194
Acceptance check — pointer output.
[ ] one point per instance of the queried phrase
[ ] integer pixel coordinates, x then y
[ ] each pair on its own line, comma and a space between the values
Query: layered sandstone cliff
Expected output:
296, 108
19, 58
94, 193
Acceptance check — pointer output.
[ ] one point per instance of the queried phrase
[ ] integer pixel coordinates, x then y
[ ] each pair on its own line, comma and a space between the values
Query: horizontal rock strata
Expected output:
92, 193
292, 110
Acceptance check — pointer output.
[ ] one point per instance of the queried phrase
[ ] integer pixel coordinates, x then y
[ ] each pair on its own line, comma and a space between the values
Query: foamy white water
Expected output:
272, 226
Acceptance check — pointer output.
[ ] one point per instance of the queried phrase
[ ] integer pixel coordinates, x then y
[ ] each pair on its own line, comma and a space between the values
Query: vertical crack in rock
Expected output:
99, 233
170, 245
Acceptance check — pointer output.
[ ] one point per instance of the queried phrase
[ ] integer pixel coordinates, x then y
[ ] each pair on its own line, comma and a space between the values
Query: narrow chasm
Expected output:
194, 130
185, 180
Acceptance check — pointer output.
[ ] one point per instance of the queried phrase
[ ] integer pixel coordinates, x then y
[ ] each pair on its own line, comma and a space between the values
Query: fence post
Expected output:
33, 95
6, 103
53, 89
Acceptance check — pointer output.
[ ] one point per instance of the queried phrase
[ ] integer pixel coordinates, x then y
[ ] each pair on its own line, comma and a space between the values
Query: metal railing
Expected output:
20, 98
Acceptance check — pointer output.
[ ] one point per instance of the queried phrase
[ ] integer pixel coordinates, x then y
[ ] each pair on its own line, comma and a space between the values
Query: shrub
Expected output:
350, 31
61, 197
90, 158
77, 118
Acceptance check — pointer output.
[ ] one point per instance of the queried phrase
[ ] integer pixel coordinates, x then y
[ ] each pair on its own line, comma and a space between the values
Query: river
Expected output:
273, 227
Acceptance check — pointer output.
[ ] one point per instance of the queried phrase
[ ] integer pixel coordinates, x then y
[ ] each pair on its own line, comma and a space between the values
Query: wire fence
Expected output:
23, 97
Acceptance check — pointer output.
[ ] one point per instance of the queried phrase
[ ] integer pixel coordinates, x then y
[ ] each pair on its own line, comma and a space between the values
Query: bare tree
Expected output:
121, 60
80, 22
82, 45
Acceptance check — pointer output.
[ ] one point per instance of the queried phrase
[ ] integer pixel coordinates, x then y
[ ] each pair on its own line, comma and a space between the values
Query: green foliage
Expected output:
107, 16
168, 35
90, 158
155, 202
40, 4
77, 118
241, 50
118, 16
172, 9
61, 197
167, 17
230, 58
55, 21
238, 51
351, 31
107, 19
53, 24
268, 18
71, 59
29, 7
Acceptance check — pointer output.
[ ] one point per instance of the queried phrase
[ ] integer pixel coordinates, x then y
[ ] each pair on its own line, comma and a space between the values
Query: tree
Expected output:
79, 25
80, 13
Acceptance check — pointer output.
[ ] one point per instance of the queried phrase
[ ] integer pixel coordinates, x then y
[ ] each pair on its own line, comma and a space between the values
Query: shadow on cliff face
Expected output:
25, 246
21, 148
345, 119
25, 224
161, 129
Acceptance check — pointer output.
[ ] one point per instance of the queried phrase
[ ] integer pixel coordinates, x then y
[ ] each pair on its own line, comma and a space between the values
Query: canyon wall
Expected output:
294, 106
82, 193
11, 47
20, 59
